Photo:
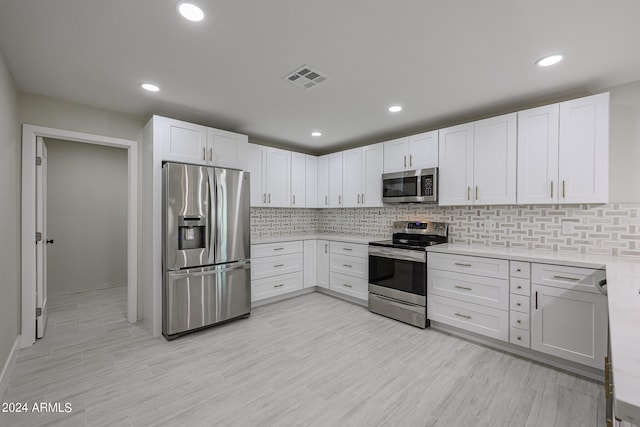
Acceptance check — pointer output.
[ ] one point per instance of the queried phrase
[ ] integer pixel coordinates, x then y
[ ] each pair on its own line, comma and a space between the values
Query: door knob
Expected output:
50, 242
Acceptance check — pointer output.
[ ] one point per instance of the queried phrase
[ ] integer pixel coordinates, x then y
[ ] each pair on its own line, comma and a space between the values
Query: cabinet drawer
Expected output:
351, 265
276, 265
352, 249
269, 249
486, 291
519, 303
349, 285
572, 278
489, 267
274, 286
520, 286
519, 337
519, 320
472, 317
520, 269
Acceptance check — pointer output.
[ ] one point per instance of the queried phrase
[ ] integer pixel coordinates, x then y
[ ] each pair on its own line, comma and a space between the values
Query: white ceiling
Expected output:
441, 60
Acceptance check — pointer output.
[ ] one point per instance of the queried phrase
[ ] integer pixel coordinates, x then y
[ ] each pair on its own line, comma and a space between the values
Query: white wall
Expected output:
87, 217
9, 215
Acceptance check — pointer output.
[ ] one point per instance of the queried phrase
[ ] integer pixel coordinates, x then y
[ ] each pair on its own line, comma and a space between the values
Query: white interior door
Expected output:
41, 241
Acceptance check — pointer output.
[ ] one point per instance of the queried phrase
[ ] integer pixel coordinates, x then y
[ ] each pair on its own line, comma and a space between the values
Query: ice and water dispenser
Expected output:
192, 232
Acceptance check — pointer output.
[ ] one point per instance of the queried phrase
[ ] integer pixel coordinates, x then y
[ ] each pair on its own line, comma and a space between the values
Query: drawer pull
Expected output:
462, 264
463, 315
519, 338
518, 270
278, 265
347, 265
278, 286
347, 249
519, 321
347, 285
462, 287
278, 249
519, 287
566, 278
518, 304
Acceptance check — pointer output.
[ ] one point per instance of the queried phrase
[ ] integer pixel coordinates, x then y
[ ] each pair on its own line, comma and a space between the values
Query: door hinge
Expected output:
38, 311
38, 236
38, 161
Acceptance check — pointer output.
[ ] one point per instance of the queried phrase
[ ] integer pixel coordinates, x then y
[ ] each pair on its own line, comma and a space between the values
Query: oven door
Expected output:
400, 274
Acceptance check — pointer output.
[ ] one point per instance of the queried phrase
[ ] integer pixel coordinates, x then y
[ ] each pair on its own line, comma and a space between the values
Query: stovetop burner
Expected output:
416, 235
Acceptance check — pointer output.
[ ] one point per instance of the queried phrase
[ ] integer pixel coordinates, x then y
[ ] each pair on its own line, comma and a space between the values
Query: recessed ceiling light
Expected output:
395, 108
191, 12
549, 60
316, 133
150, 87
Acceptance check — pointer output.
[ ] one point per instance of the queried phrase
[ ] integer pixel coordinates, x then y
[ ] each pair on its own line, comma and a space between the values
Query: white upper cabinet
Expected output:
494, 160
298, 180
311, 181
563, 152
372, 166
352, 177
478, 162
583, 160
335, 180
456, 165
538, 155
190, 143
323, 181
270, 170
412, 152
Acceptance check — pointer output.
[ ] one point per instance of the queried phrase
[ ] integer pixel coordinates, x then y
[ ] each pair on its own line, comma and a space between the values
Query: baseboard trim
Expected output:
282, 297
343, 297
8, 368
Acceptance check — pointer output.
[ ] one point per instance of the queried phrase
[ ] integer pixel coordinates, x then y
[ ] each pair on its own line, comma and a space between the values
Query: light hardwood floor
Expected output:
309, 361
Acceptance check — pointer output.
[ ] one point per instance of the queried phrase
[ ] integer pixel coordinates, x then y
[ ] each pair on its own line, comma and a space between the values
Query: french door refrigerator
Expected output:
206, 257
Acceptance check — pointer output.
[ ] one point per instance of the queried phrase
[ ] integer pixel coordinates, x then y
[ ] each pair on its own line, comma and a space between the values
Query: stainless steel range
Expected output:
398, 271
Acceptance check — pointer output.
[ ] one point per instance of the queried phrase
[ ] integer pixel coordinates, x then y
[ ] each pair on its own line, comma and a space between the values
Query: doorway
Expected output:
29, 262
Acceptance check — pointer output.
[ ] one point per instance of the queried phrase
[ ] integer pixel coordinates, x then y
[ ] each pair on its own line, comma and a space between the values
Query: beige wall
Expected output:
624, 148
87, 217
10, 170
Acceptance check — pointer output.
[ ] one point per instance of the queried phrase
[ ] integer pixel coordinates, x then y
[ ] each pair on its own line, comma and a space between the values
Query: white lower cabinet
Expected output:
356, 287
476, 318
310, 263
275, 275
569, 324
275, 286
322, 264
349, 269
519, 317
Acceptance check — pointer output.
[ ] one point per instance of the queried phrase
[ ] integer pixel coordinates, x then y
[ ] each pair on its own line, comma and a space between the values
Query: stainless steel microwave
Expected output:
417, 186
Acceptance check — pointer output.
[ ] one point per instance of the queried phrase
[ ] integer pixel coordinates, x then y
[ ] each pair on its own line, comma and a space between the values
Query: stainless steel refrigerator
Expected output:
206, 261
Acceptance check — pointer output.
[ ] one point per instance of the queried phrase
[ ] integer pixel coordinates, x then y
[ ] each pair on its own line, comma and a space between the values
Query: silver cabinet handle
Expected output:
326, 200
552, 189
278, 286
518, 321
566, 278
519, 287
518, 304
519, 338
405, 161
347, 265
278, 265
347, 249
463, 287
278, 249
204, 155
363, 198
294, 199
269, 197
463, 315
347, 285
462, 264
358, 199
264, 197
326, 247
476, 192
339, 199
211, 154
564, 193
410, 160
518, 270
468, 193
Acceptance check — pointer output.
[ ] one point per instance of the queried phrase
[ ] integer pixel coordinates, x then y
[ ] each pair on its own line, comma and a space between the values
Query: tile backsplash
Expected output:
612, 229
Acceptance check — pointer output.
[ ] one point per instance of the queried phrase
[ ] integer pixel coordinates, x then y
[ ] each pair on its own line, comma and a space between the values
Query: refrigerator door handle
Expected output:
207, 271
212, 214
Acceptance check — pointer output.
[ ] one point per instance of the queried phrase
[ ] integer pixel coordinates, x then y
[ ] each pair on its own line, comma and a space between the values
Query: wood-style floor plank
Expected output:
309, 361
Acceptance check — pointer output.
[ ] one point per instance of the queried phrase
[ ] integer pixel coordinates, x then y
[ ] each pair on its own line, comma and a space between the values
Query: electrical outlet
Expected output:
567, 227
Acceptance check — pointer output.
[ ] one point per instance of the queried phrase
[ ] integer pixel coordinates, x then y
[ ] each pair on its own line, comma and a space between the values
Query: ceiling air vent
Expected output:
306, 77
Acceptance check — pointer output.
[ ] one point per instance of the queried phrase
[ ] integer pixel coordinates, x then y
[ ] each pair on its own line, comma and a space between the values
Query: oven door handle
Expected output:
402, 254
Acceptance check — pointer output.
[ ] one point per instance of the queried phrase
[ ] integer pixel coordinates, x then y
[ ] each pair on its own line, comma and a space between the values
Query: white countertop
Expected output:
623, 287
335, 237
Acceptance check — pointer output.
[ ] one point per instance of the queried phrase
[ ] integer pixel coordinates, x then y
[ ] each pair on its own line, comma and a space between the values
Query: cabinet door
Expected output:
335, 180
455, 157
298, 183
278, 178
311, 181
310, 251
352, 178
372, 165
322, 264
494, 160
538, 155
257, 167
584, 150
226, 149
183, 142
323, 181
423, 150
395, 155
569, 324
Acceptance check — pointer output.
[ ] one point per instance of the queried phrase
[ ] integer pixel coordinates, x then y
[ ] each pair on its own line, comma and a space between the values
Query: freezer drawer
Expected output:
200, 297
